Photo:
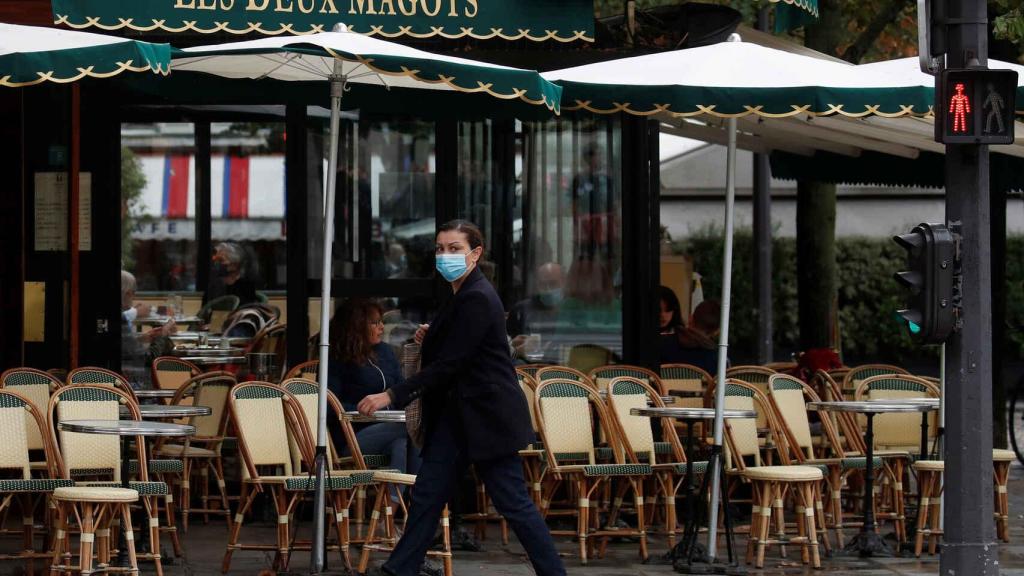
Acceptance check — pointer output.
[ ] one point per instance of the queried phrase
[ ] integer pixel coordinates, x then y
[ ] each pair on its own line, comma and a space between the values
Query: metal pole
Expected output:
763, 242
317, 561
723, 337
970, 546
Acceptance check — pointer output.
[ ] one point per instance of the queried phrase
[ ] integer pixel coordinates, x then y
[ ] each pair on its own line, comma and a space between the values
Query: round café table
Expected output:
378, 416
125, 429
215, 360
664, 399
165, 411
867, 542
159, 393
688, 552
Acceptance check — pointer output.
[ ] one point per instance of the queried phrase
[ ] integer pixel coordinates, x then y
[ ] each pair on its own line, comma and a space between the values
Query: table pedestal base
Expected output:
868, 544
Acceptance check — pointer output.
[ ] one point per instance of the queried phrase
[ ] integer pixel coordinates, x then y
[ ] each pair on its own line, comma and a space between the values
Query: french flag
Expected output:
175, 189
235, 191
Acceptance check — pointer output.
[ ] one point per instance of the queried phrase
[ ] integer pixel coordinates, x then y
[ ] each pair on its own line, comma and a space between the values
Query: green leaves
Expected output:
1009, 24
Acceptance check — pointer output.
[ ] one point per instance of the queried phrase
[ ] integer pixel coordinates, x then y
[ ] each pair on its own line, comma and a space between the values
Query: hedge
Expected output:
868, 295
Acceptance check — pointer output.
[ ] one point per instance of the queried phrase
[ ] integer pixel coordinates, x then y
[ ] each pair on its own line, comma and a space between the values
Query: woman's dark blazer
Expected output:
466, 362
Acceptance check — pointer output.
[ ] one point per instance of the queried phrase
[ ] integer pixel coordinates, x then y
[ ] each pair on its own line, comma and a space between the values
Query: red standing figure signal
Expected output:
959, 107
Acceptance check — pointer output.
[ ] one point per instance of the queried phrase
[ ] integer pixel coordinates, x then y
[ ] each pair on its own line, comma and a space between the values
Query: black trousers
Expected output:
444, 462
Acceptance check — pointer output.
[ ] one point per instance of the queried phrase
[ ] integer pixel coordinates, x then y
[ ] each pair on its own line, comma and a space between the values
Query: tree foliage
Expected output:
132, 183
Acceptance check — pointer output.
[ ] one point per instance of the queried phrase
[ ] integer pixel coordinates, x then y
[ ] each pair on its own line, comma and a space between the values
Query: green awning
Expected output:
535, 20
32, 55
737, 79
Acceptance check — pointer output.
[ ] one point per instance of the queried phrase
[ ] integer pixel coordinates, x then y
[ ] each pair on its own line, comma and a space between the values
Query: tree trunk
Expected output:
816, 218
816, 262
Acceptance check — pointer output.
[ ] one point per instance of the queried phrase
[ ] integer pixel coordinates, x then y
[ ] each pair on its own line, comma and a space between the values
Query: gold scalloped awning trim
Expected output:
435, 31
804, 5
517, 93
82, 73
833, 110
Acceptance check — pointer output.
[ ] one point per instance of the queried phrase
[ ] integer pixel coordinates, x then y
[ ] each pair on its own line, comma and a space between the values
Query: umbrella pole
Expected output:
319, 557
723, 342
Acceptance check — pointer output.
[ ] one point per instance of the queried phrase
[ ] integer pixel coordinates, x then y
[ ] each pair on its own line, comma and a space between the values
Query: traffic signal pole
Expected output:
969, 545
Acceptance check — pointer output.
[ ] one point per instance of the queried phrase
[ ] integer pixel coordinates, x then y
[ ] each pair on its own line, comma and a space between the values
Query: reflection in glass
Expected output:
570, 252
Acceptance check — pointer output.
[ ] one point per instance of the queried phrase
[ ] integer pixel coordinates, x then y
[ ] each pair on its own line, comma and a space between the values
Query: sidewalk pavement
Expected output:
204, 545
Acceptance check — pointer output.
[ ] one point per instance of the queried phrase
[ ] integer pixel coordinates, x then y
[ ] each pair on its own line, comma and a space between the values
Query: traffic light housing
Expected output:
975, 106
931, 313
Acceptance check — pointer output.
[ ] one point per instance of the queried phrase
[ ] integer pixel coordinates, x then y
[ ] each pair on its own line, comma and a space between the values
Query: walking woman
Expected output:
473, 410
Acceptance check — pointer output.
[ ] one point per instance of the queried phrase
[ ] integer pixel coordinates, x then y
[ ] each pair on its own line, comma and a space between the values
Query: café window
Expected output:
568, 244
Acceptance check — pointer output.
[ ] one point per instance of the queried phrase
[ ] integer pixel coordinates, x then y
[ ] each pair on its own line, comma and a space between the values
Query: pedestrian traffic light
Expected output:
975, 106
931, 255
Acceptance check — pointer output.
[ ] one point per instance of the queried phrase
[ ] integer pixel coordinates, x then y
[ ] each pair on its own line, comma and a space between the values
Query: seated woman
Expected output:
362, 364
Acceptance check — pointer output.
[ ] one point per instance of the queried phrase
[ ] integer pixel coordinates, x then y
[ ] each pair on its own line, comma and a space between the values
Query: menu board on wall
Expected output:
51, 211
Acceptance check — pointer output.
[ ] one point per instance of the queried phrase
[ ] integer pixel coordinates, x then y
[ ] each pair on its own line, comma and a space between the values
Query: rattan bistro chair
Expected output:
563, 410
165, 470
94, 461
210, 390
626, 393
36, 387
307, 370
532, 455
771, 485
854, 376
170, 372
687, 381
20, 420
789, 396
603, 376
266, 418
565, 373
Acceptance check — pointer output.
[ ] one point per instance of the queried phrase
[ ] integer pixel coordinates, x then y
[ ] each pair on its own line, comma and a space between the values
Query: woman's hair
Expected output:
350, 329
672, 303
472, 231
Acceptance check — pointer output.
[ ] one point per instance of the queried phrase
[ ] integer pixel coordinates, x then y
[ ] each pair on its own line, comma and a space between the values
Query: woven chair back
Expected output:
624, 394
602, 376
743, 440
258, 414
102, 376
563, 373
308, 370
564, 416
900, 430
17, 417
306, 393
211, 390
687, 379
169, 373
854, 376
36, 387
92, 455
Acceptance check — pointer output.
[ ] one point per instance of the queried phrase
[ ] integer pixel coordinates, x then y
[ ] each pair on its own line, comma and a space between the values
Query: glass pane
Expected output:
247, 205
571, 247
159, 237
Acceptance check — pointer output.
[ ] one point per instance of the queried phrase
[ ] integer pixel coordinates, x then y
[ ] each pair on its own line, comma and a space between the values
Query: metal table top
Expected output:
875, 406
209, 350
191, 336
158, 411
214, 360
158, 320
664, 399
378, 416
167, 393
126, 428
691, 413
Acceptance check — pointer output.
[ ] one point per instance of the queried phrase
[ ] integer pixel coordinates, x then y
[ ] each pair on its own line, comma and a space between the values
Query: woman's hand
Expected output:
420, 333
370, 404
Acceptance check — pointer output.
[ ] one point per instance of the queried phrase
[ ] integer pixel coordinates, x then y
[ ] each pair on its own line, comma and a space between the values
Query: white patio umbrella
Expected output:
731, 80
347, 60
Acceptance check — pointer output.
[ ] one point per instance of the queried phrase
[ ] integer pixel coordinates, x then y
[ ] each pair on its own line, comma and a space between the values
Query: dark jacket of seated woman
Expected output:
351, 382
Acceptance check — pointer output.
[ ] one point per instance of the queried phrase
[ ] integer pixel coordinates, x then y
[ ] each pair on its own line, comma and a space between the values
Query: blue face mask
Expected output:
551, 298
451, 266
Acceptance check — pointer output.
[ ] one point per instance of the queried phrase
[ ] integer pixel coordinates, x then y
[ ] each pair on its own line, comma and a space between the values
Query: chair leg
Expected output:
767, 494
86, 539
924, 486
222, 488
244, 502
283, 533
371, 532
638, 487
341, 527
778, 506
186, 493
819, 509
582, 524
153, 513
809, 496
170, 511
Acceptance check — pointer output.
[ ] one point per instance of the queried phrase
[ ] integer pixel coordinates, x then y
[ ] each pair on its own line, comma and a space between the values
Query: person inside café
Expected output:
139, 348
670, 326
538, 313
231, 274
362, 364
698, 342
